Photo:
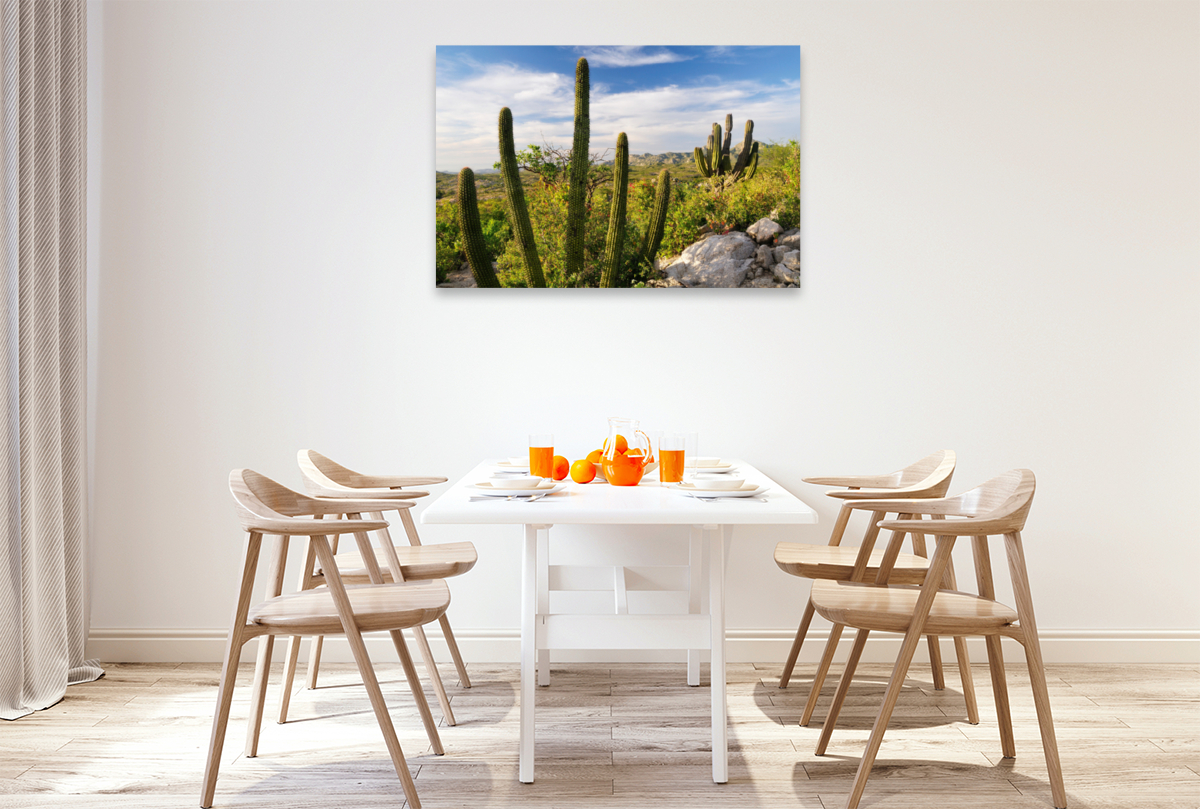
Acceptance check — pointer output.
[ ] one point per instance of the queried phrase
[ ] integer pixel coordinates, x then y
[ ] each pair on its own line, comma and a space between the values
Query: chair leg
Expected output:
1008, 743
414, 684
912, 638
220, 722
935, 662
790, 663
367, 672
964, 658
434, 676
262, 666
860, 643
258, 693
289, 676
464, 679
1037, 669
968, 682
314, 661
835, 634
895, 685
233, 651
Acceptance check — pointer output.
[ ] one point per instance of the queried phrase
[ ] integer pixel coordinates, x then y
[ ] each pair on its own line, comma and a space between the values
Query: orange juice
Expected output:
541, 461
670, 465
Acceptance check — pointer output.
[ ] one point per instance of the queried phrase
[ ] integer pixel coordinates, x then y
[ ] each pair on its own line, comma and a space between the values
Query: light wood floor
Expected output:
610, 736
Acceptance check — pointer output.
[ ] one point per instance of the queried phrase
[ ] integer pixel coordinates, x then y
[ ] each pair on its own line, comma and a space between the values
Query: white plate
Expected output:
509, 466
747, 490
709, 470
708, 465
498, 489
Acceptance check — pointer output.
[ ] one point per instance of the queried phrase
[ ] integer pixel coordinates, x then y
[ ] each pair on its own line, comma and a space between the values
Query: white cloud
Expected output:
661, 119
629, 56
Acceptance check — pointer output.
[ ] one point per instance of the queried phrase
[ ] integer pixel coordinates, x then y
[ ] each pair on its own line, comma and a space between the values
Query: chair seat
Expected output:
889, 608
837, 563
417, 562
376, 607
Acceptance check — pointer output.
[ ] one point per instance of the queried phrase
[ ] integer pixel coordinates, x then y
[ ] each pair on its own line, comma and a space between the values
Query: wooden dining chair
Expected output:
928, 477
268, 509
997, 508
405, 563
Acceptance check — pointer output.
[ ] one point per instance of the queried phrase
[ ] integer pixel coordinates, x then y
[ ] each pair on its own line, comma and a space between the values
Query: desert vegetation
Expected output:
566, 217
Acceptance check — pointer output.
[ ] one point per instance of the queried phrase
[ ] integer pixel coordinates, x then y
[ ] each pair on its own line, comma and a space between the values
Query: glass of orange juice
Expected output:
670, 457
541, 455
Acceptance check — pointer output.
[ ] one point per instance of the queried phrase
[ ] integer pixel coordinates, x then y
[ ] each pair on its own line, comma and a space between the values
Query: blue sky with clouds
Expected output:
665, 99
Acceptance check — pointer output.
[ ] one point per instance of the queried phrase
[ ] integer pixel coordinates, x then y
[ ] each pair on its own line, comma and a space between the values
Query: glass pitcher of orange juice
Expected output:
628, 453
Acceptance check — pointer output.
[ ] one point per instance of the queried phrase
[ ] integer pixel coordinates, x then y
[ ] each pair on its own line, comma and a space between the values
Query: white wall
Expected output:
1001, 206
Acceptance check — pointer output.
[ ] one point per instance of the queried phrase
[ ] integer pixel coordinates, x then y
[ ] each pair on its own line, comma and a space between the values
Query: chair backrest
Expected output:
260, 500
999, 506
935, 468
928, 477
321, 473
1003, 501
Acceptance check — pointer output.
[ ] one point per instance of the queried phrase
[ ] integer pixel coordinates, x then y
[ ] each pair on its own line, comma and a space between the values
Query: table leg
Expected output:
543, 599
695, 566
716, 609
529, 600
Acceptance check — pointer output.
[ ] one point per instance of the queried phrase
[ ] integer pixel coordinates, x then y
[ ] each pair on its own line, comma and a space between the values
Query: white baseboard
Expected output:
742, 646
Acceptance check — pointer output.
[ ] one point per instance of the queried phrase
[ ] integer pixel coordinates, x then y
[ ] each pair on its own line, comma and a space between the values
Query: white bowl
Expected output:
722, 483
700, 463
518, 482
519, 461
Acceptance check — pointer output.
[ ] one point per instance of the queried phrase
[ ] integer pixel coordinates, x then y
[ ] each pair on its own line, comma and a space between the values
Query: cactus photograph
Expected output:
607, 167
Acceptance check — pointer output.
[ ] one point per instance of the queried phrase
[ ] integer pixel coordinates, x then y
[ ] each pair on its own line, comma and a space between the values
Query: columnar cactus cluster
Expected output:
573, 259
714, 161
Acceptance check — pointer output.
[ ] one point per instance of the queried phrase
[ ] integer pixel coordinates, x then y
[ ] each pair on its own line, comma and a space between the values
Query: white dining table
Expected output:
597, 503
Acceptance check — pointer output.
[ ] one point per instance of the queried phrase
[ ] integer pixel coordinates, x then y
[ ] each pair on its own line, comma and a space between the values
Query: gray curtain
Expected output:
43, 496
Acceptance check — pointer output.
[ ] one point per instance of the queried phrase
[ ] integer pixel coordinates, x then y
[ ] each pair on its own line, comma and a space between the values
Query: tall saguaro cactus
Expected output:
517, 209
616, 220
658, 219
714, 161
472, 232
577, 189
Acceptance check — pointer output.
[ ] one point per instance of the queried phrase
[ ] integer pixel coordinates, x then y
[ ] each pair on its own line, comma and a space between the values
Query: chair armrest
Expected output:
348, 505
300, 527
397, 481
361, 494
915, 505
949, 528
878, 494
855, 481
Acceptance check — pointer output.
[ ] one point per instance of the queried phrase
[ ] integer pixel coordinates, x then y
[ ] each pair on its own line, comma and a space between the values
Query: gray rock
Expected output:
790, 239
788, 270
764, 256
764, 230
718, 261
762, 282
779, 253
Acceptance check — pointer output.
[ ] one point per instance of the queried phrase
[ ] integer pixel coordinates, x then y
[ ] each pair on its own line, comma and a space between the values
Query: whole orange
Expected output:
583, 471
595, 455
560, 467
622, 445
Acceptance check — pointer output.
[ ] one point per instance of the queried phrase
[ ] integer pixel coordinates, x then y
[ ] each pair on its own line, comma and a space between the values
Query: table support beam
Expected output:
716, 607
695, 594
